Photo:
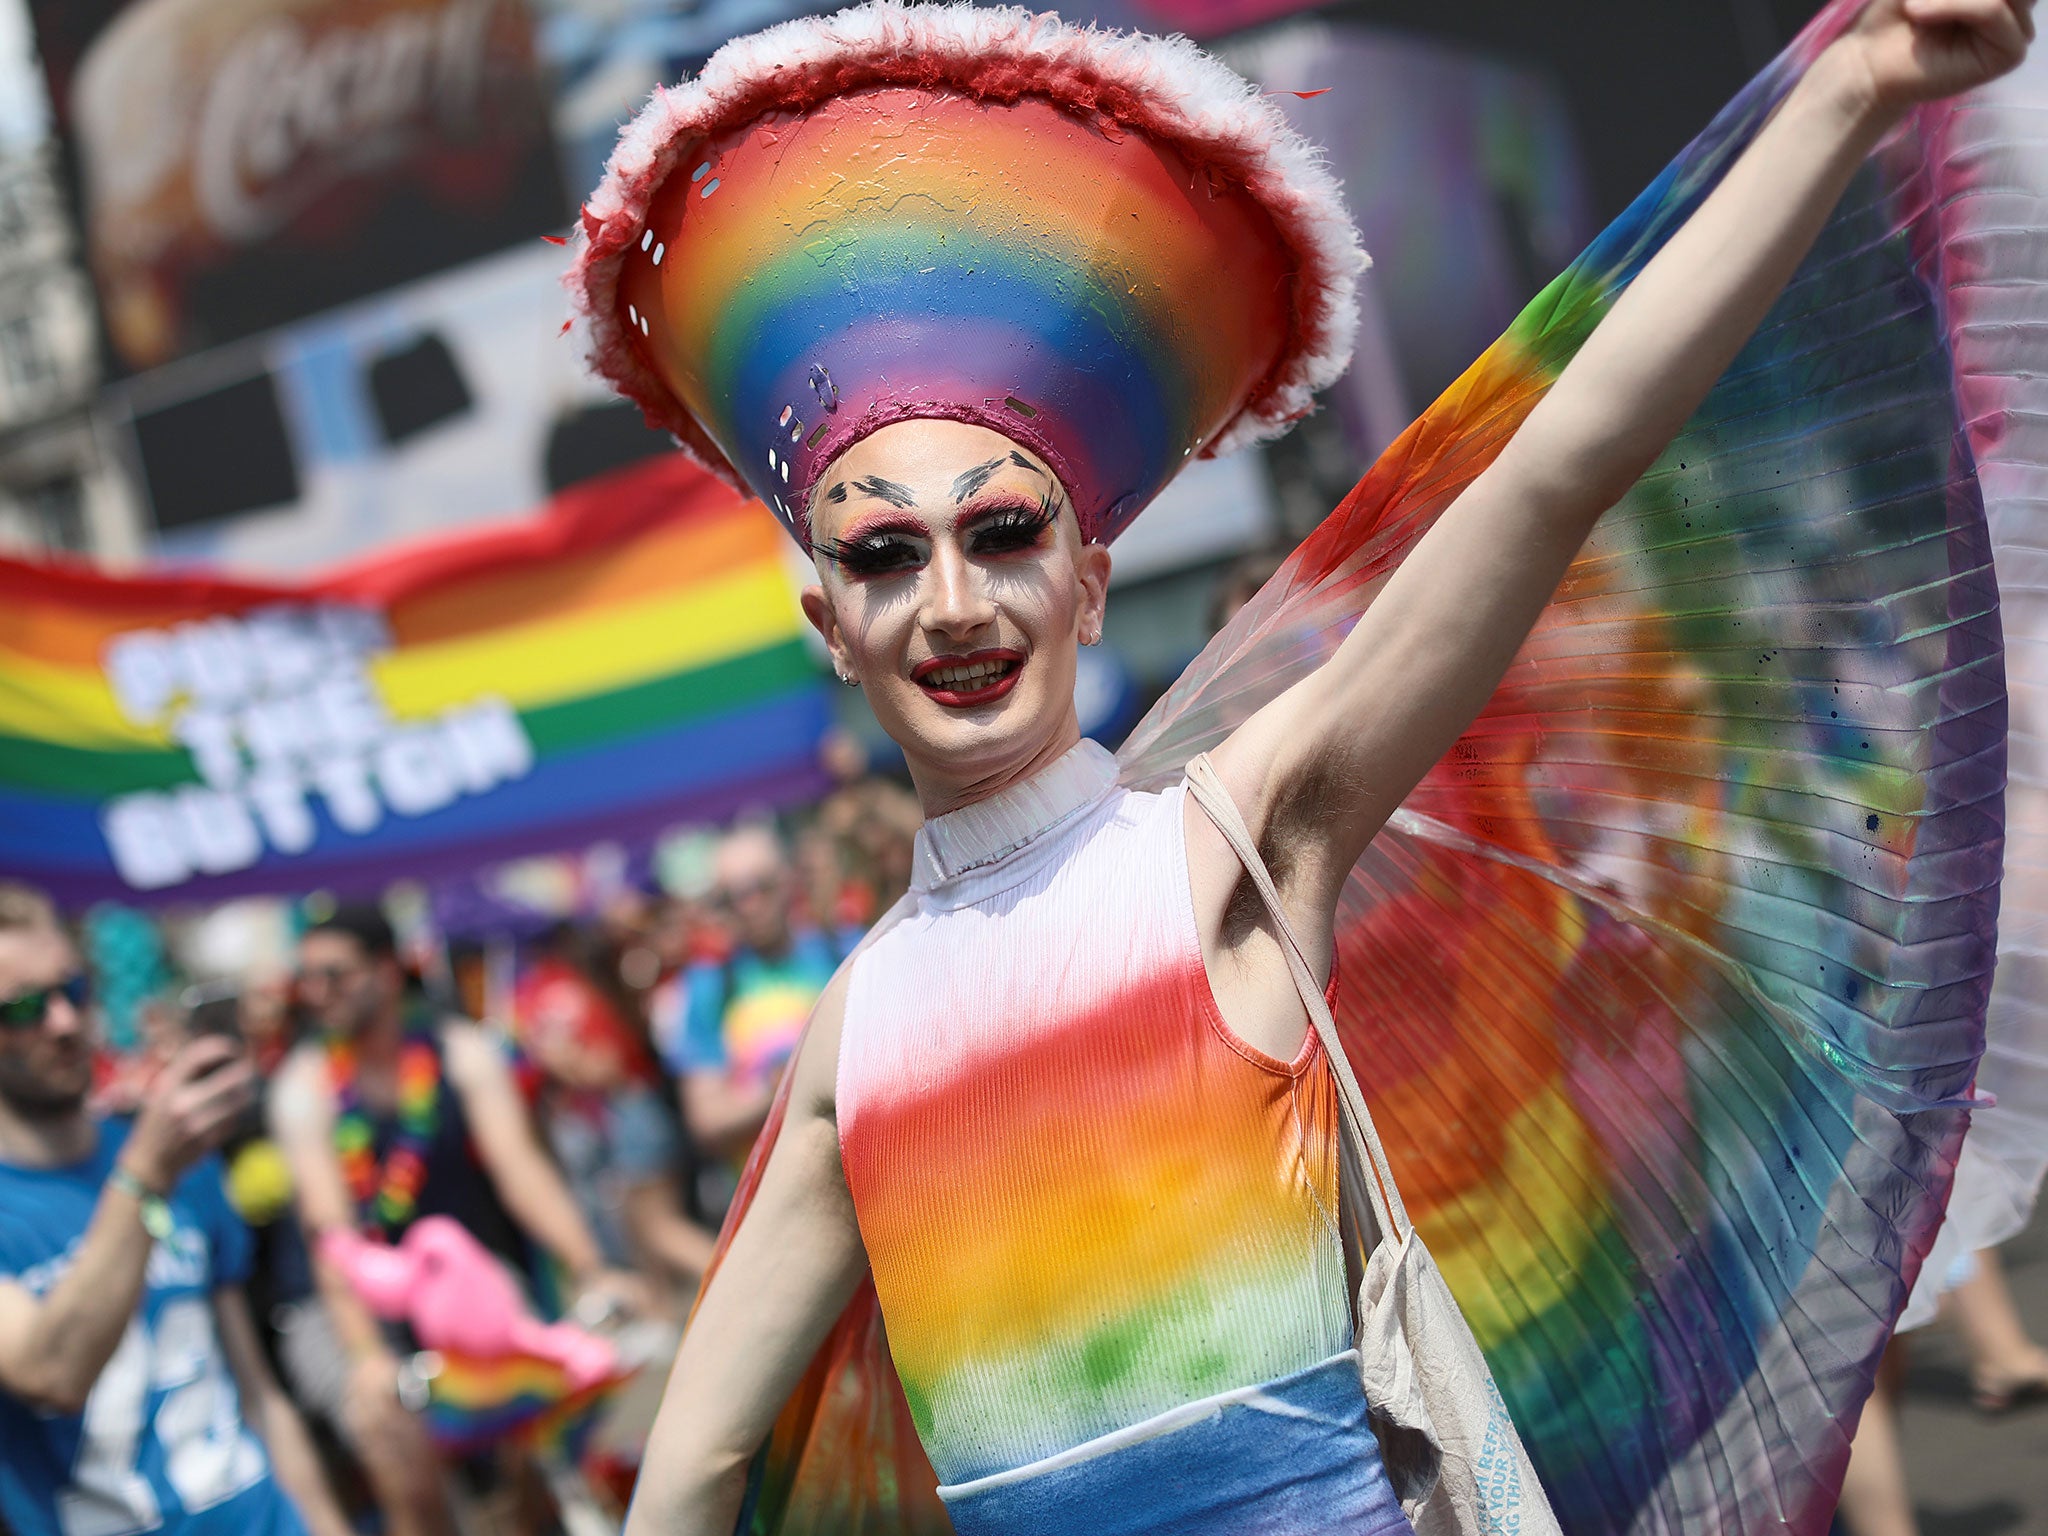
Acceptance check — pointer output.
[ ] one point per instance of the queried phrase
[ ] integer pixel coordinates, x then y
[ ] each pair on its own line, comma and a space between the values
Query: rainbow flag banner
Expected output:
629, 658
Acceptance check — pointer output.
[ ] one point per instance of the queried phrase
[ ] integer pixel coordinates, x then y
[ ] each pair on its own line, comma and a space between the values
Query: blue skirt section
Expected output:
1292, 1458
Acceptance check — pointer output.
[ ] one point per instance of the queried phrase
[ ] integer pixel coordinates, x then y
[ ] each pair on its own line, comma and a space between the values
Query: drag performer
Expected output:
956, 292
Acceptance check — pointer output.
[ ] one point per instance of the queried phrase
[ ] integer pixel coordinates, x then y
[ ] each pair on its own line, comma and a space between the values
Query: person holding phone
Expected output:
134, 1396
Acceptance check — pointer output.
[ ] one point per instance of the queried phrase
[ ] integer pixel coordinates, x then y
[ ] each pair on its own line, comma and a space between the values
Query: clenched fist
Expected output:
1913, 51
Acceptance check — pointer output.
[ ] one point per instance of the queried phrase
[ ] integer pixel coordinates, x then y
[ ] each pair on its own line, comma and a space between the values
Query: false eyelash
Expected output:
1024, 523
878, 554
874, 554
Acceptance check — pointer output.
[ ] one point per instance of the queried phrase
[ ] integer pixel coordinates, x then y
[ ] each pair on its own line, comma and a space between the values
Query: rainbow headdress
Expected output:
1668, 986
979, 214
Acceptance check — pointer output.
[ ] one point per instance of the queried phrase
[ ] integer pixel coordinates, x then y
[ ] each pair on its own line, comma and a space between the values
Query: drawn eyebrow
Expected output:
838, 491
886, 490
1021, 462
969, 481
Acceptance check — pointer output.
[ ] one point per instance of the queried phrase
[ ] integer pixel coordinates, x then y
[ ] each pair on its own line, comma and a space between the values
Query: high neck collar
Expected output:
949, 846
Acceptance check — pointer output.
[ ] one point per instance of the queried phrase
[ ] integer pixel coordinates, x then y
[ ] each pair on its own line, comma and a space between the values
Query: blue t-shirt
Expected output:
744, 1017
161, 1445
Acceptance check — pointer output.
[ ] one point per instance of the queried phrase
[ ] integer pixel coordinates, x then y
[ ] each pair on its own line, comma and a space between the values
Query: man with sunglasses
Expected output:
134, 1396
741, 1019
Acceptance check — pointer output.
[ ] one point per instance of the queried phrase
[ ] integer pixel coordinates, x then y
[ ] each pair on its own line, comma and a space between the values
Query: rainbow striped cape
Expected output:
628, 658
1668, 986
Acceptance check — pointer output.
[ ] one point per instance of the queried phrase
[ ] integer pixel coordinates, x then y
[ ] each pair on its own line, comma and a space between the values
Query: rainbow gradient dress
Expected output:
1668, 986
1096, 1218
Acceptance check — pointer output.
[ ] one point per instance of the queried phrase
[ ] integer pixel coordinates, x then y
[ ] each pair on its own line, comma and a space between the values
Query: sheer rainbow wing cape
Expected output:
1669, 985
1998, 1176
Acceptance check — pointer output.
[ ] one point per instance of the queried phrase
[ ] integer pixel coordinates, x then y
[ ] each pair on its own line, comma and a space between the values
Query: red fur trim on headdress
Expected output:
1165, 88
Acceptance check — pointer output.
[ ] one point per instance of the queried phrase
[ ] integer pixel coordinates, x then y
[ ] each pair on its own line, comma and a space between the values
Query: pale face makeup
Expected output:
954, 587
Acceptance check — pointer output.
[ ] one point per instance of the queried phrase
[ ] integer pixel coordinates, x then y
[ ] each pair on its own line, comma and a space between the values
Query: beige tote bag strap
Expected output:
1213, 798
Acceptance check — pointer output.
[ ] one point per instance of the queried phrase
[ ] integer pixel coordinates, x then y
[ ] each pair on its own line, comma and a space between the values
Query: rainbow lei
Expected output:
387, 1191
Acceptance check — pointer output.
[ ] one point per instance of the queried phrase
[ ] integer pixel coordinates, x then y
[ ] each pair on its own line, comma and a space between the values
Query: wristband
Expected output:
156, 1216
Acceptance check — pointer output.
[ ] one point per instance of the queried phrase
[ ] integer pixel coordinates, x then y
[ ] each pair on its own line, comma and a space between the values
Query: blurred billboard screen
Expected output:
239, 164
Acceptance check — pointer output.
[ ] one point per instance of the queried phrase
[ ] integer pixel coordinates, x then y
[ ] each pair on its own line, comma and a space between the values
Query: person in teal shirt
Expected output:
741, 1018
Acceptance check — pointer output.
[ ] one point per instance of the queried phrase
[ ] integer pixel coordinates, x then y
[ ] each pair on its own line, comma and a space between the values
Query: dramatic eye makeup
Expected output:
1011, 528
1007, 524
884, 549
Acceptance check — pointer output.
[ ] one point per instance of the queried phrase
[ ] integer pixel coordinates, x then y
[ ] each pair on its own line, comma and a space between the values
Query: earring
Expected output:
846, 678
1092, 639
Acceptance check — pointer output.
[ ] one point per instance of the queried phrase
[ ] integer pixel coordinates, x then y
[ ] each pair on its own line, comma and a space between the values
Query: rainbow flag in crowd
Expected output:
629, 658
472, 1405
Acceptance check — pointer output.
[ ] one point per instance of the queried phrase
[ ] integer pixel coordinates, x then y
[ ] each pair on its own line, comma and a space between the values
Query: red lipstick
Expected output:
991, 674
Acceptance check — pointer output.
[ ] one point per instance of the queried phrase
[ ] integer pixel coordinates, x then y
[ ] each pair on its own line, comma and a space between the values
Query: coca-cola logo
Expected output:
289, 110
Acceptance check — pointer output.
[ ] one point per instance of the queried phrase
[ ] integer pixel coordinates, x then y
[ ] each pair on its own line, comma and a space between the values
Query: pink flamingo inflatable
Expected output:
457, 1300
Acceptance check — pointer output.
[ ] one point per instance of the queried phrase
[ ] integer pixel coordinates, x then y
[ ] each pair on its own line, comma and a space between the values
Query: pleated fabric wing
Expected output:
1668, 986
1996, 328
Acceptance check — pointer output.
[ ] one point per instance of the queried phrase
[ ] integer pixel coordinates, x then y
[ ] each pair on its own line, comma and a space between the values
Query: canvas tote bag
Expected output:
1452, 1453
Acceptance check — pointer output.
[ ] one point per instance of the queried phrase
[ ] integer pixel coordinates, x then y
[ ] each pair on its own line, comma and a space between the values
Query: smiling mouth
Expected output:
960, 682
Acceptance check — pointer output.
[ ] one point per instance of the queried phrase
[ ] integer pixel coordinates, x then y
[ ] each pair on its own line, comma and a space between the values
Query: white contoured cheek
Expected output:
873, 628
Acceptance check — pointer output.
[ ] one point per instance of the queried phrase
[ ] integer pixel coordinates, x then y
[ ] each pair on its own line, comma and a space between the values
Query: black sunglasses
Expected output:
31, 1008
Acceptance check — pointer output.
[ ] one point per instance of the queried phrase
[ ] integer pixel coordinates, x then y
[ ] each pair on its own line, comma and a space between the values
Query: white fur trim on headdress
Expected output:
1164, 87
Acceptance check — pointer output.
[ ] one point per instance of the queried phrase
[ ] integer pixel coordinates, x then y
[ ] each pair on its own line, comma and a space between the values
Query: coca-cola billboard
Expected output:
241, 163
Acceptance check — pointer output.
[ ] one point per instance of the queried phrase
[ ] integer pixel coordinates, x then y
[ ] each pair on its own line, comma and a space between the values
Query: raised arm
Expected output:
54, 1345
1318, 771
784, 1280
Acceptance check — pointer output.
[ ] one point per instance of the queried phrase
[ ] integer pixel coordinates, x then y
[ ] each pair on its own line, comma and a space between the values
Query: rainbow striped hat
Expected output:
1107, 247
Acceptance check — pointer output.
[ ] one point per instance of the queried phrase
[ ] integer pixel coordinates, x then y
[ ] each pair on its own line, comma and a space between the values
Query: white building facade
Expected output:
61, 487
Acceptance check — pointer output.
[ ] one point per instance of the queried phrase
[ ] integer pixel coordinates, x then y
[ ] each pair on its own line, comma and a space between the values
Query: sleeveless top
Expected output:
1085, 1200
456, 1184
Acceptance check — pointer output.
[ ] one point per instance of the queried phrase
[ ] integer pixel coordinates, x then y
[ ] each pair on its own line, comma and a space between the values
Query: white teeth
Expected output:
964, 677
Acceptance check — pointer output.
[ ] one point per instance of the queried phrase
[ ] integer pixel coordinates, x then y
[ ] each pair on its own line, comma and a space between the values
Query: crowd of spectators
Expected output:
581, 1101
